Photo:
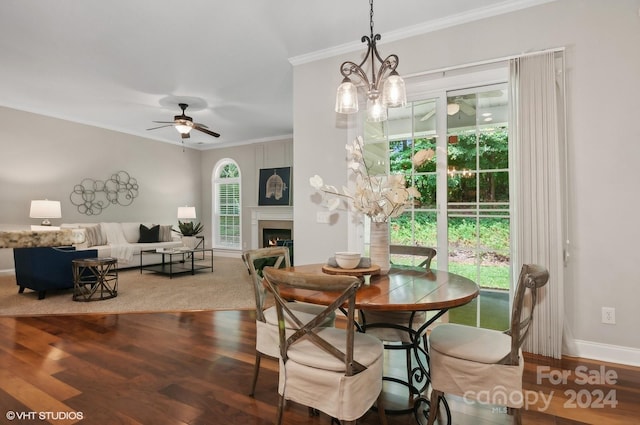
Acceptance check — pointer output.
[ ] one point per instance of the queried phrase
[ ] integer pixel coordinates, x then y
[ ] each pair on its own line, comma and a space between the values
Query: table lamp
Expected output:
186, 213
45, 209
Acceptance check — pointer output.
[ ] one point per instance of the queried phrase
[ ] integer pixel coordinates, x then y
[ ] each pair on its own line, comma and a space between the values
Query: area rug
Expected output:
228, 287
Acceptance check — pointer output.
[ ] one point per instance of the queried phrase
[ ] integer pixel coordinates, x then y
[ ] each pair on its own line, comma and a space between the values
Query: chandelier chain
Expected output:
371, 17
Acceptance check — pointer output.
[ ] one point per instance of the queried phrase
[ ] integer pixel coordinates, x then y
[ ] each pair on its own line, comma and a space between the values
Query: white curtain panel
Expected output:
538, 176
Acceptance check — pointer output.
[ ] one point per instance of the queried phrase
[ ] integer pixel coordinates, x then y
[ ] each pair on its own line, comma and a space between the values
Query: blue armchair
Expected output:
41, 269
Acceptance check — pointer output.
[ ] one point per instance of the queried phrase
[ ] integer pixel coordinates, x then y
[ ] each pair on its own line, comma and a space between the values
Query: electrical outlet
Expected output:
323, 217
609, 315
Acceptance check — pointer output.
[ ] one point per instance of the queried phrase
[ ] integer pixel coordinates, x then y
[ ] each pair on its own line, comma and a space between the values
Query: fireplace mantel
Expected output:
267, 213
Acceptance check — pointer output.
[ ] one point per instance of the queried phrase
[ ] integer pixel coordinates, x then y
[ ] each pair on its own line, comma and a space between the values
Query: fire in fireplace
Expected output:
270, 237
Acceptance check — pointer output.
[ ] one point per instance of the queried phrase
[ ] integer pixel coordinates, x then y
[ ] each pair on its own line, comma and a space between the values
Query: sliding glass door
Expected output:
463, 210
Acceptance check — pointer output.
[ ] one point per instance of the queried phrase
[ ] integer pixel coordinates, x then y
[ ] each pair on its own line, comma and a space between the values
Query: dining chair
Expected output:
398, 329
266, 316
336, 371
476, 362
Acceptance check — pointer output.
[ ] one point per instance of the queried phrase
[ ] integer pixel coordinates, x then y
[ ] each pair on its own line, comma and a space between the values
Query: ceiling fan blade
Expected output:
428, 115
162, 126
198, 124
204, 130
164, 122
466, 108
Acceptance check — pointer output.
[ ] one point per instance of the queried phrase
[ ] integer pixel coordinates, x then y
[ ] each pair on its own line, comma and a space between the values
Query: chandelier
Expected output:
385, 89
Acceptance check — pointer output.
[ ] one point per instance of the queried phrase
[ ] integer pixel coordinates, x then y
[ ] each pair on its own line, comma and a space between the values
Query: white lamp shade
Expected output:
186, 212
45, 209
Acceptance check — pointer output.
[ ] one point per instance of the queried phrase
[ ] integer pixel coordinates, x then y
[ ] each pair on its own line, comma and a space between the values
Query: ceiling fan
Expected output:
185, 124
453, 107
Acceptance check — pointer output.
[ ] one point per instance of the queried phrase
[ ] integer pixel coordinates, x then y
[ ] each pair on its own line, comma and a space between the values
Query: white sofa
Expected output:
122, 241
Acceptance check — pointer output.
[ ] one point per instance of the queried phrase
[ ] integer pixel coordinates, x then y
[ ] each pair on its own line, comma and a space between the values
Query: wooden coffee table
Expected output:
177, 261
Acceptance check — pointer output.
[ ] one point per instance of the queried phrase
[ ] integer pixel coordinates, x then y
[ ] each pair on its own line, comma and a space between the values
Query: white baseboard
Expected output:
607, 352
7, 272
217, 252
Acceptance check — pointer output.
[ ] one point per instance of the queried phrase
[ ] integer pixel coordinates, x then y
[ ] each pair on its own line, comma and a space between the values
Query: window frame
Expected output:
217, 181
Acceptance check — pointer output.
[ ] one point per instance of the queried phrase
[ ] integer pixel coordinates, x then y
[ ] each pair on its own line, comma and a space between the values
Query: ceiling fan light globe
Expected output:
183, 128
453, 108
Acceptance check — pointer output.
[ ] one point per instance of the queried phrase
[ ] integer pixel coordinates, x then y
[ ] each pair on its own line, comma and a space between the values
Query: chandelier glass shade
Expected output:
385, 88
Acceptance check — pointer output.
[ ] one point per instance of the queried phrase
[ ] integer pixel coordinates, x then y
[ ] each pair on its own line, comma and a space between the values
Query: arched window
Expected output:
226, 205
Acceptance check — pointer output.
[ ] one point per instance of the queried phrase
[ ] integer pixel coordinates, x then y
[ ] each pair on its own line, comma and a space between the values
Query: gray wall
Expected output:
602, 39
44, 157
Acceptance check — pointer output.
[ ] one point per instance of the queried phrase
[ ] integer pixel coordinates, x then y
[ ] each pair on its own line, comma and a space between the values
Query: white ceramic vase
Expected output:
189, 241
379, 246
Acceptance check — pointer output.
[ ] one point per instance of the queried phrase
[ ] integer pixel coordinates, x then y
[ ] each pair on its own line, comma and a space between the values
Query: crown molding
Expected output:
424, 28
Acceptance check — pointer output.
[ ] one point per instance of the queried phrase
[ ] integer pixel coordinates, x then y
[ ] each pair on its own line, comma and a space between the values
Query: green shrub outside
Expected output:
492, 238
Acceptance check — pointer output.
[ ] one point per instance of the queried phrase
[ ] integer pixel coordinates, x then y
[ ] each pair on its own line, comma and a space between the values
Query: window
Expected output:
227, 209
464, 209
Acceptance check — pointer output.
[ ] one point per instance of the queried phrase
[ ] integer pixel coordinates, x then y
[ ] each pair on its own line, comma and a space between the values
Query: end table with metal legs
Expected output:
95, 279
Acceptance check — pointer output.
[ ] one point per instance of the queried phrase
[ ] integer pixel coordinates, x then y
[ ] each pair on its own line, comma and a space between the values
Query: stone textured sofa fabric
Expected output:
31, 238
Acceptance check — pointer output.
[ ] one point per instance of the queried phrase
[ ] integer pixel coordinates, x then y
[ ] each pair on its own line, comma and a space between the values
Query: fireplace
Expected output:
276, 233
270, 218
275, 237
272, 226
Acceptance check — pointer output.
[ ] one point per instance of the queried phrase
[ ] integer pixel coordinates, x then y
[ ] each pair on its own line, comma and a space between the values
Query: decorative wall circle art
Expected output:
92, 196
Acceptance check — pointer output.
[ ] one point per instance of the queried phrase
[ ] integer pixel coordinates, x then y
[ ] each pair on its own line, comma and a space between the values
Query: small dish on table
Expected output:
347, 260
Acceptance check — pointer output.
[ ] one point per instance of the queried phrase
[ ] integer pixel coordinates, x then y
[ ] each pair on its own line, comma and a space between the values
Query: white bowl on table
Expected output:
348, 260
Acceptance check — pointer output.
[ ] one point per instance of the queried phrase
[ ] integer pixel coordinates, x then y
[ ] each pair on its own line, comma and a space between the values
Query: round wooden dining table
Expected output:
402, 289
408, 289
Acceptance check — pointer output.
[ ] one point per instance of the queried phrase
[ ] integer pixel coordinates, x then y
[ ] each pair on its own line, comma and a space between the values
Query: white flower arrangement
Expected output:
378, 197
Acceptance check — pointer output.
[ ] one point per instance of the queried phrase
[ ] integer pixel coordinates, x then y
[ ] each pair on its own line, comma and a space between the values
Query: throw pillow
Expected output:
165, 233
93, 234
149, 235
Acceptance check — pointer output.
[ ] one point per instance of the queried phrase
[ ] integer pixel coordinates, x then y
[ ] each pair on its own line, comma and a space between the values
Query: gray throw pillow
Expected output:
165, 233
94, 235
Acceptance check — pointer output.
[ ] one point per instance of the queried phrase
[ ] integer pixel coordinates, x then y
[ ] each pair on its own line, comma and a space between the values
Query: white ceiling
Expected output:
121, 64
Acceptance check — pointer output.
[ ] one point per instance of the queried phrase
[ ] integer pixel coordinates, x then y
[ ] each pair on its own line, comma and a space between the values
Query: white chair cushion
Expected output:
267, 338
470, 343
488, 383
346, 397
366, 350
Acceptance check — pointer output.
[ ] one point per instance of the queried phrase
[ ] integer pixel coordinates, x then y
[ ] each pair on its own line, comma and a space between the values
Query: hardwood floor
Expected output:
195, 368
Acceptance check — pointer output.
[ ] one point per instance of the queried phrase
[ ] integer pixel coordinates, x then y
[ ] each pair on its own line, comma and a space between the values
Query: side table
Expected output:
95, 279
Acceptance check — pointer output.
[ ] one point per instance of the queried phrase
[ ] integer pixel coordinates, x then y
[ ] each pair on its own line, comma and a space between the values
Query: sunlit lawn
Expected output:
493, 277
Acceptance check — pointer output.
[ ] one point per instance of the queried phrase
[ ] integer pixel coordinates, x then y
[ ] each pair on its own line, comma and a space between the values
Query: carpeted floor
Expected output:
228, 287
